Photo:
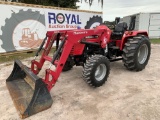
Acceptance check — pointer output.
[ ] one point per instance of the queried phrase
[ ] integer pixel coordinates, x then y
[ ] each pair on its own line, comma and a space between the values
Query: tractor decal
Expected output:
30, 40
93, 22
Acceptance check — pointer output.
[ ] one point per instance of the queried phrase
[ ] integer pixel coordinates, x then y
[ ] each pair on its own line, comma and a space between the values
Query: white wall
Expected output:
149, 22
154, 27
144, 21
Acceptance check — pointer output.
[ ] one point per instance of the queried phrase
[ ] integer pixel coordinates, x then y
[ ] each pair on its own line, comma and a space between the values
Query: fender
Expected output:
129, 34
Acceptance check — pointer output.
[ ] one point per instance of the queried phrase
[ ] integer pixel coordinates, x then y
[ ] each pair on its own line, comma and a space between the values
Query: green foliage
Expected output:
12, 57
60, 3
55, 3
91, 1
155, 41
66, 3
21, 55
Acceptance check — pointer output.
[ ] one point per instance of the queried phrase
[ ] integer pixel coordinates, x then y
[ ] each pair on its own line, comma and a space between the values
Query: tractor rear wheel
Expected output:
136, 53
96, 70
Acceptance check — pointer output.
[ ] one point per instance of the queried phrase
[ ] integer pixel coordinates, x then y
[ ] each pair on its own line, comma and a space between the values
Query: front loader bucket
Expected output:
29, 93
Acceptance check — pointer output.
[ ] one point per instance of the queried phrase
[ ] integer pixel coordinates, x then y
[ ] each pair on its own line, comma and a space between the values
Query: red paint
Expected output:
73, 46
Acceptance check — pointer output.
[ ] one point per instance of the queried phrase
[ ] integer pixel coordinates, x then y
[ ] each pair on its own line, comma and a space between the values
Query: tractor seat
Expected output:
119, 30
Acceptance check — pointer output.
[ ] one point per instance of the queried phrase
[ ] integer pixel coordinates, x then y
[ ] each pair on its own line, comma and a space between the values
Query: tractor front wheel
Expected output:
68, 65
96, 70
136, 53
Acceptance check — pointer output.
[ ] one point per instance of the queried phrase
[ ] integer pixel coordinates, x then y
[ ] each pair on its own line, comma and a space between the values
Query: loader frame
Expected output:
68, 40
91, 49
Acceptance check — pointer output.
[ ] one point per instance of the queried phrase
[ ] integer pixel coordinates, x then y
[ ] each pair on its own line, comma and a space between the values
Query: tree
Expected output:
60, 3
66, 3
55, 3
91, 1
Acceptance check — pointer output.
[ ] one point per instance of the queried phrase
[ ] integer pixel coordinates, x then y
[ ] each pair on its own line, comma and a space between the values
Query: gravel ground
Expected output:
126, 95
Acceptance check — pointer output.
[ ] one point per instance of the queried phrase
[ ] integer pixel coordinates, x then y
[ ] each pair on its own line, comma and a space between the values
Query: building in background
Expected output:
149, 22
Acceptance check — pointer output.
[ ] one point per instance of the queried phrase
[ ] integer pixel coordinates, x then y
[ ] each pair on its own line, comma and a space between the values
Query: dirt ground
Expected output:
125, 96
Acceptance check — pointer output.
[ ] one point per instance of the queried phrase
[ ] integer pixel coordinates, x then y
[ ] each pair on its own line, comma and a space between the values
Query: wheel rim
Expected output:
100, 72
142, 53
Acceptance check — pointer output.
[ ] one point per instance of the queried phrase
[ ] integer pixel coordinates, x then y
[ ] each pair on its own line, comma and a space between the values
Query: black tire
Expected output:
94, 19
68, 65
90, 70
136, 53
11, 23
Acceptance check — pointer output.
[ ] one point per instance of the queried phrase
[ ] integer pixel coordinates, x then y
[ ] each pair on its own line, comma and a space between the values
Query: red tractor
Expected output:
93, 49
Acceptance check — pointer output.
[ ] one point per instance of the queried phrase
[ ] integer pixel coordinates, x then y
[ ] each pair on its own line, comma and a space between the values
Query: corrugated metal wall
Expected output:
149, 22
154, 25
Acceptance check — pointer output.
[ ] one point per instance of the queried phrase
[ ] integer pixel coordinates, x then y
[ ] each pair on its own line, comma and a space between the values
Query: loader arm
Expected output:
29, 92
68, 39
